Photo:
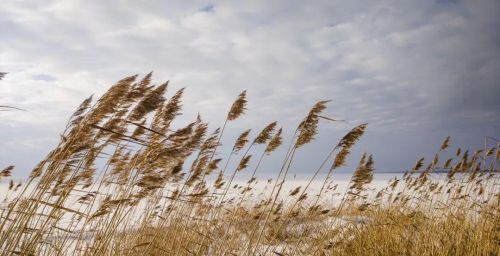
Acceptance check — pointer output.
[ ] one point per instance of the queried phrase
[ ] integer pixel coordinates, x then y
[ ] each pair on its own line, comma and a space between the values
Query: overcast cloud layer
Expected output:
416, 71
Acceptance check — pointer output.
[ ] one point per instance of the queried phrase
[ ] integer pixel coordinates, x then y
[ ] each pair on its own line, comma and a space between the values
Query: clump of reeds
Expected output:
127, 179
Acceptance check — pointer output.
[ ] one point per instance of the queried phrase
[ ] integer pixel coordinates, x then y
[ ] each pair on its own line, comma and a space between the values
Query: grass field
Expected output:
123, 181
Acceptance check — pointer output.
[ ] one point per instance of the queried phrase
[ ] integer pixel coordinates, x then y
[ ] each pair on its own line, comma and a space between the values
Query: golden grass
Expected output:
124, 181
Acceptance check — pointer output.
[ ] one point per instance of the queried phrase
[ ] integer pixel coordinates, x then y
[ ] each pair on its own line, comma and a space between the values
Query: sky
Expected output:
415, 71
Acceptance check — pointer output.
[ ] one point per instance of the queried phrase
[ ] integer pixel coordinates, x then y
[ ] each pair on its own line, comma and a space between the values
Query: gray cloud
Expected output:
415, 70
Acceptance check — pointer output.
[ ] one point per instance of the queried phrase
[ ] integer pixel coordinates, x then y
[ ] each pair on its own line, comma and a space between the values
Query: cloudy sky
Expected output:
416, 71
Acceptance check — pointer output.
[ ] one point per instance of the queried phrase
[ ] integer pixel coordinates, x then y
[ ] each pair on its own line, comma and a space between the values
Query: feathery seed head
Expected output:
308, 127
445, 143
265, 134
243, 163
275, 142
340, 157
241, 141
6, 172
238, 107
149, 103
352, 136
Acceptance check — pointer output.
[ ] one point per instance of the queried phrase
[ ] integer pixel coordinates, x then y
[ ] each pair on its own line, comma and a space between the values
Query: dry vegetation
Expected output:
124, 181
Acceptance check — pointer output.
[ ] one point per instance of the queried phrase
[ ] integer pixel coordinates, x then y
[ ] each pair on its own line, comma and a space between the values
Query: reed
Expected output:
128, 179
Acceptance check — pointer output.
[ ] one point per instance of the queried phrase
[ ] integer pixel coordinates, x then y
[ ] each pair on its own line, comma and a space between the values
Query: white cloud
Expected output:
421, 67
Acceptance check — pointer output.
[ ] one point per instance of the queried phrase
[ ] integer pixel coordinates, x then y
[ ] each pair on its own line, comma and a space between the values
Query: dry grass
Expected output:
125, 181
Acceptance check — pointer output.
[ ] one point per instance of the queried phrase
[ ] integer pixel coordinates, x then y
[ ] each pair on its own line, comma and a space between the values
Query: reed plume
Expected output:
109, 102
243, 163
275, 142
6, 172
346, 143
445, 144
265, 134
78, 116
308, 127
149, 103
363, 174
126, 179
238, 107
241, 141
140, 89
